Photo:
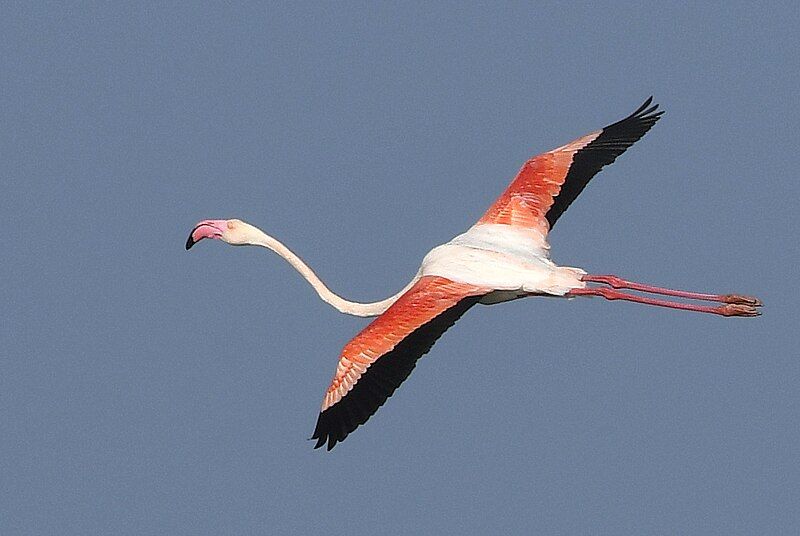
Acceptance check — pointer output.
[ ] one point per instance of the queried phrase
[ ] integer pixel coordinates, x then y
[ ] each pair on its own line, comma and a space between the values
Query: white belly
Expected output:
504, 258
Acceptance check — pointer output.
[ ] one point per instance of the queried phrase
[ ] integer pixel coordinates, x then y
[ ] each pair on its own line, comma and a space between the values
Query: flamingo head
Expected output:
235, 232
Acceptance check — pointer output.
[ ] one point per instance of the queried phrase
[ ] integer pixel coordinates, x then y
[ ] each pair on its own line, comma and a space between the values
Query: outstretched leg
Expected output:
729, 309
617, 282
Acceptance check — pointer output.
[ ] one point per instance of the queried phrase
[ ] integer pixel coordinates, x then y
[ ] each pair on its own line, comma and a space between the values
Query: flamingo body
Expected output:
504, 256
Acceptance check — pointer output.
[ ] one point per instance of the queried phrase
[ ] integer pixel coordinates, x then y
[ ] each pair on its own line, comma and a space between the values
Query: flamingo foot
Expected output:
738, 309
740, 299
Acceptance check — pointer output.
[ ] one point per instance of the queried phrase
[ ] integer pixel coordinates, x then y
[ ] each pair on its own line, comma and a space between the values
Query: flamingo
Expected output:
504, 256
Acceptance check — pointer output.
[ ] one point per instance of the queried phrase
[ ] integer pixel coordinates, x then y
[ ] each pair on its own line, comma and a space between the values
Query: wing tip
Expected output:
332, 427
335, 423
321, 439
636, 125
323, 434
646, 111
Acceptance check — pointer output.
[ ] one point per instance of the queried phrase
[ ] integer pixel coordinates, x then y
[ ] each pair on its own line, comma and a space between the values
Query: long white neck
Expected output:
257, 237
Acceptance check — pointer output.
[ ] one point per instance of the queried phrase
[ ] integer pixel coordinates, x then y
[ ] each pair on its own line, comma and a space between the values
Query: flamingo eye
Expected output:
231, 224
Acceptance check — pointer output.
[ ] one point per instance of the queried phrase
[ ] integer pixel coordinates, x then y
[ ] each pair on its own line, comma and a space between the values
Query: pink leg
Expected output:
729, 309
617, 282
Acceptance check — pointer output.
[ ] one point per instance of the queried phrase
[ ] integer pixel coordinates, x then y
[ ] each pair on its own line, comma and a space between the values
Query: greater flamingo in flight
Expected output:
503, 257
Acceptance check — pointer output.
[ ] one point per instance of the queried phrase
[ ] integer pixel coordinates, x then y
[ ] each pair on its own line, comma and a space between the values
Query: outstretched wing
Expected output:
377, 360
547, 184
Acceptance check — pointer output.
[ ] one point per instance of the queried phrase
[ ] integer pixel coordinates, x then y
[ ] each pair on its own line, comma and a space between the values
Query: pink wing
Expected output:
377, 360
547, 184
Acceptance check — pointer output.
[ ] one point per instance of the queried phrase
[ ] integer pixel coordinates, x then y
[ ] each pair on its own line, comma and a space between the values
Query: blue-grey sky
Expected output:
147, 390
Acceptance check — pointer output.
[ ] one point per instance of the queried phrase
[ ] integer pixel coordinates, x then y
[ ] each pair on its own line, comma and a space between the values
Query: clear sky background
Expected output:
147, 390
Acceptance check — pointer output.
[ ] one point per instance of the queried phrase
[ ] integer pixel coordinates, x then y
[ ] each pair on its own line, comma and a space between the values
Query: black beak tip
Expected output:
189, 243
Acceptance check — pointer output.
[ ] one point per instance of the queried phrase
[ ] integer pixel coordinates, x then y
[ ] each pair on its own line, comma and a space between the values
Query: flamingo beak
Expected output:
206, 229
